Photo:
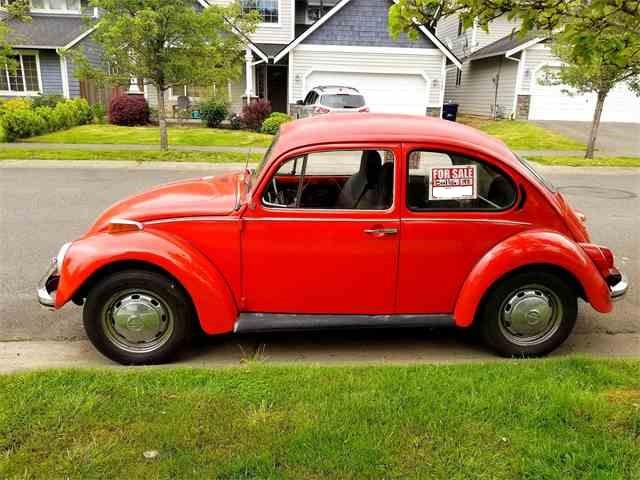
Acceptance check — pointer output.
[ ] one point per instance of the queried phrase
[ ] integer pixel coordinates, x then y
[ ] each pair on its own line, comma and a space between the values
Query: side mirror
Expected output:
300, 102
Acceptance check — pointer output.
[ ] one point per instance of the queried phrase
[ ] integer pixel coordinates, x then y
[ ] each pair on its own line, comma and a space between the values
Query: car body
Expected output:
335, 228
332, 99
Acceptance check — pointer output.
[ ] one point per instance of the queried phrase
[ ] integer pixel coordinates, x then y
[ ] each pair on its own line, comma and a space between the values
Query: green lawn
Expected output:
130, 155
553, 419
113, 134
582, 162
522, 135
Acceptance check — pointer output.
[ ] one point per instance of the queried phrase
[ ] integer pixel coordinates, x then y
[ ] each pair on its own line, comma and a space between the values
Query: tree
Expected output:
16, 10
168, 43
598, 40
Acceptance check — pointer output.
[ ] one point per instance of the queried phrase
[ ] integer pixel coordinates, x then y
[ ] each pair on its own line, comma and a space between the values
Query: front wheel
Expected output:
529, 314
137, 317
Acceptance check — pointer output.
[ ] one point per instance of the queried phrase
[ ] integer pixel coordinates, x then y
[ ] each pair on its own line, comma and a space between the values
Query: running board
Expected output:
268, 322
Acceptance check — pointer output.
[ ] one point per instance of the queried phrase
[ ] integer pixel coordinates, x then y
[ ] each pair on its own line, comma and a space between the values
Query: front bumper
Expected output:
619, 289
48, 285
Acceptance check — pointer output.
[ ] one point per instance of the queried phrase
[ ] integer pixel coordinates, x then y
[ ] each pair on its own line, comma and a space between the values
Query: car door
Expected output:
318, 241
448, 224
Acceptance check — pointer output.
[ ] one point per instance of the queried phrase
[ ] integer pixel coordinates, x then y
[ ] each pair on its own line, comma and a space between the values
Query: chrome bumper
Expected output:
619, 289
48, 285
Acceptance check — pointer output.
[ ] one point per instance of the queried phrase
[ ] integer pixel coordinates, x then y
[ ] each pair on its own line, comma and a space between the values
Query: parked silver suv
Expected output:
332, 99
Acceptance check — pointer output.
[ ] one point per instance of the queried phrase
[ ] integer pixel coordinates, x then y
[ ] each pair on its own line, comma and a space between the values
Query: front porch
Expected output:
267, 80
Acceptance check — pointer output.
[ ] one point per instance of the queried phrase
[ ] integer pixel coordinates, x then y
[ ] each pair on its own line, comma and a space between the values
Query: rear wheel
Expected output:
137, 317
529, 314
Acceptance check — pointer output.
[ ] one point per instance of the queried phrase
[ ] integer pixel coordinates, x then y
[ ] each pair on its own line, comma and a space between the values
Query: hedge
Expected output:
28, 122
272, 123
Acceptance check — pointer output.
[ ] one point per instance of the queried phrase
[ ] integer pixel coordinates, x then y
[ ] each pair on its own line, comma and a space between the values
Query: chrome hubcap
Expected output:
137, 321
530, 315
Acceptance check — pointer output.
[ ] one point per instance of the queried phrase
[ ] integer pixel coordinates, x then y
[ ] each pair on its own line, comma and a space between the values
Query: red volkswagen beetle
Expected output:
360, 220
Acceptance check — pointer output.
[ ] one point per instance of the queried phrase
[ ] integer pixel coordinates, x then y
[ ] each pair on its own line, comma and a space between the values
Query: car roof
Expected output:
336, 89
383, 127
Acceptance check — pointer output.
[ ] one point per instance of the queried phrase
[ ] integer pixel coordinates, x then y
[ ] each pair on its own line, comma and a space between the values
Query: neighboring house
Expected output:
503, 75
56, 26
305, 43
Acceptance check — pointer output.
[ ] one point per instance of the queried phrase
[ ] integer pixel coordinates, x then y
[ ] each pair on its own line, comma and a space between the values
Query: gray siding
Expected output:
476, 94
363, 23
93, 53
50, 72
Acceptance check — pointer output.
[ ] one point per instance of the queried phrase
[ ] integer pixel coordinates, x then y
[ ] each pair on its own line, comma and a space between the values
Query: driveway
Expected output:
41, 208
614, 139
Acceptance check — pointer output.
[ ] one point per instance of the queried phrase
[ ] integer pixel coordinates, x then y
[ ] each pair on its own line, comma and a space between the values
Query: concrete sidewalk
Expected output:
213, 149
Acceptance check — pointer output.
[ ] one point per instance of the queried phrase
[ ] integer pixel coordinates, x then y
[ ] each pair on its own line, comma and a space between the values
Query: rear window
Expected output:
342, 100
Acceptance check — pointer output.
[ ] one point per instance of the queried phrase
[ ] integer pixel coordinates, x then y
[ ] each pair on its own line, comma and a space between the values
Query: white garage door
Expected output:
561, 102
385, 93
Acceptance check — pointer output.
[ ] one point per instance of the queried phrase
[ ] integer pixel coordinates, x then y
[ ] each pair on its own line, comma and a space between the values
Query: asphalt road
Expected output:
41, 208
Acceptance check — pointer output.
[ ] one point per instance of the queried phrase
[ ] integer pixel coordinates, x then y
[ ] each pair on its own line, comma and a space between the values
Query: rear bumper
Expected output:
619, 289
48, 285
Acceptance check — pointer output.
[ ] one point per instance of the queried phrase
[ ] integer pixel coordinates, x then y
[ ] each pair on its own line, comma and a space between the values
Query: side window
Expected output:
307, 100
338, 179
448, 181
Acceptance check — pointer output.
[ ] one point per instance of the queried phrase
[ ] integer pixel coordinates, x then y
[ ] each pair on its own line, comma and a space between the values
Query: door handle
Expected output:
381, 232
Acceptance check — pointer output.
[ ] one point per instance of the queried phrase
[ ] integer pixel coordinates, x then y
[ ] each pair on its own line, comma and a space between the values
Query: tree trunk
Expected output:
593, 134
162, 120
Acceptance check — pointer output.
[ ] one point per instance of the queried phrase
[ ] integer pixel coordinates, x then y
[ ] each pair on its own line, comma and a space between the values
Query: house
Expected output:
301, 44
505, 75
56, 26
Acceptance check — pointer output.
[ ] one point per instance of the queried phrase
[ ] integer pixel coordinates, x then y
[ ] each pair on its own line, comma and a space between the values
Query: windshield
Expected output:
267, 156
342, 100
548, 185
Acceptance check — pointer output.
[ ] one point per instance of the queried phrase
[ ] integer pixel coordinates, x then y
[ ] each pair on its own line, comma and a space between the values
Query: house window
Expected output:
458, 78
315, 12
268, 9
25, 79
55, 5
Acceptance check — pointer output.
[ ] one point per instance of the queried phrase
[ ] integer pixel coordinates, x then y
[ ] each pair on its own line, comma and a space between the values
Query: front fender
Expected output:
534, 247
210, 293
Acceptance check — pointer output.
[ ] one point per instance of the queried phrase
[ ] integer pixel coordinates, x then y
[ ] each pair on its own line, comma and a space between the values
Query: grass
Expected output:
522, 135
129, 155
583, 162
553, 419
113, 134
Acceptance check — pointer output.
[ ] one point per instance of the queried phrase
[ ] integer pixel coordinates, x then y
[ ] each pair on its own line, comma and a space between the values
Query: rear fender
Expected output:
534, 247
209, 292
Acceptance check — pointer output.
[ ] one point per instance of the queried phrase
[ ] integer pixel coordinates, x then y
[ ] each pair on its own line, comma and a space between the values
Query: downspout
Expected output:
496, 80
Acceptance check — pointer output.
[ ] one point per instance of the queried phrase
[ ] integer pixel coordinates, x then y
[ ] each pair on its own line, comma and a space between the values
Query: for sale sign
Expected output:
453, 183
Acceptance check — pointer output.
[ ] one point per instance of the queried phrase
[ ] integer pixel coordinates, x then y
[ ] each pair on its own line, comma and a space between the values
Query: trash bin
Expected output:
450, 111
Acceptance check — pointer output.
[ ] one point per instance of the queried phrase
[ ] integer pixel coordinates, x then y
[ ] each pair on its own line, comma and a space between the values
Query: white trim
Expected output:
78, 38
521, 47
519, 73
64, 73
311, 29
359, 49
540, 46
438, 44
203, 3
257, 51
443, 75
293, 19
290, 76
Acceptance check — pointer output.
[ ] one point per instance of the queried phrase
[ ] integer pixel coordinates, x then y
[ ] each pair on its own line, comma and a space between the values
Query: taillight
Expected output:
364, 109
321, 110
122, 225
601, 256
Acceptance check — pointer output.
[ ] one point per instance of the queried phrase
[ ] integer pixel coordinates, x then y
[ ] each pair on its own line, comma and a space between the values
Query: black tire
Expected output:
503, 300
174, 307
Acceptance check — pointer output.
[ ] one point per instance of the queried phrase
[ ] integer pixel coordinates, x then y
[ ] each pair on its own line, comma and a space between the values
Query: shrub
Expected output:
213, 112
99, 112
47, 101
235, 121
272, 123
14, 104
254, 113
22, 124
128, 110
